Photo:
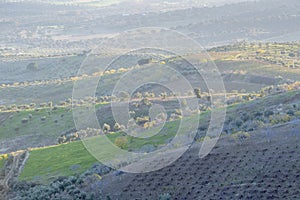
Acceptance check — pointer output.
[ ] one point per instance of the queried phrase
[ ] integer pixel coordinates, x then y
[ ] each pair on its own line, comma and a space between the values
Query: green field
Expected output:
13, 126
56, 122
2, 162
61, 160
57, 161
73, 158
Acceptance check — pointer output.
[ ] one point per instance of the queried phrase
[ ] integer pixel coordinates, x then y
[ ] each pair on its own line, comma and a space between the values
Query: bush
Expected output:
291, 113
197, 92
144, 61
121, 142
117, 127
277, 119
238, 123
142, 120
32, 67
146, 102
25, 120
268, 113
149, 124
106, 128
240, 137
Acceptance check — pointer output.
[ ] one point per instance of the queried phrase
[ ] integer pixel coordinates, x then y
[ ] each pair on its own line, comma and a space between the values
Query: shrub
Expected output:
197, 92
202, 139
240, 137
106, 128
43, 105
149, 124
145, 101
142, 120
238, 123
258, 114
290, 112
268, 113
245, 117
174, 117
25, 120
117, 127
277, 119
121, 142
144, 61
32, 67
178, 112
184, 103
32, 105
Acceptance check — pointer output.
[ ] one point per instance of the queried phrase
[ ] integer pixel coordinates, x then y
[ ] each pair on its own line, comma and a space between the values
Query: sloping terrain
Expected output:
11, 171
262, 164
265, 166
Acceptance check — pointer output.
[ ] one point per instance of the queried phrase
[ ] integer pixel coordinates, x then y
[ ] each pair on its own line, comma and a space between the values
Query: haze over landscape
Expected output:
119, 99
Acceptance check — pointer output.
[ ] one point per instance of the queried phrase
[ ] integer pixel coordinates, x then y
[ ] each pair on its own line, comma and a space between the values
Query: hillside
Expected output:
149, 99
241, 165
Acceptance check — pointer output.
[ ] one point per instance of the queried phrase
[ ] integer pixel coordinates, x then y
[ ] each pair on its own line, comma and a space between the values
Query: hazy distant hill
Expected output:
55, 26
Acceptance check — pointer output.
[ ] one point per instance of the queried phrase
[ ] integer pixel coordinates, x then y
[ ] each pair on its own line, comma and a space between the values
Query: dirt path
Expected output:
12, 170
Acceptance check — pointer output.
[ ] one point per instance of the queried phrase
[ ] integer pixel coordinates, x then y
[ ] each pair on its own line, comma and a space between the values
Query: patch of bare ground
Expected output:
265, 166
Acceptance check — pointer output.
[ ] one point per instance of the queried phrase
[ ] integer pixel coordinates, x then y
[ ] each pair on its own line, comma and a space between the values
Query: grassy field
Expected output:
56, 122
2, 162
3, 159
62, 160
72, 158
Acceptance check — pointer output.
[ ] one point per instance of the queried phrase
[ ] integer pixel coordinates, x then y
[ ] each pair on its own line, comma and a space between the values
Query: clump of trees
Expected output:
86, 186
74, 135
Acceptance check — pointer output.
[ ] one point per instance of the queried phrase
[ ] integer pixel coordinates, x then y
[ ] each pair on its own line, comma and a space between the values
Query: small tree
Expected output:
32, 67
121, 142
25, 120
50, 104
238, 123
138, 95
197, 92
106, 128
144, 61
117, 127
